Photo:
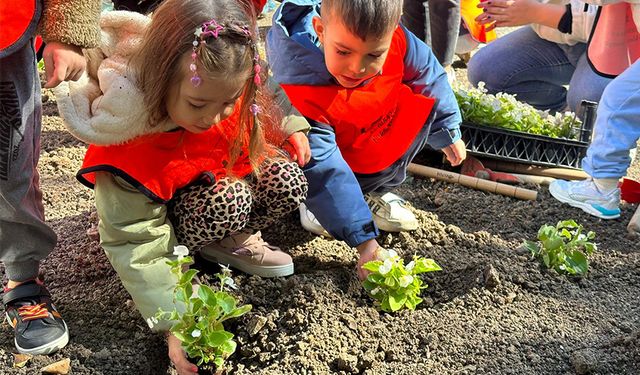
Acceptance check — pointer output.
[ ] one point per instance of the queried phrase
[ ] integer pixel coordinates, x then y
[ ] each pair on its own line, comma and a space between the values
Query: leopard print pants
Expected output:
202, 214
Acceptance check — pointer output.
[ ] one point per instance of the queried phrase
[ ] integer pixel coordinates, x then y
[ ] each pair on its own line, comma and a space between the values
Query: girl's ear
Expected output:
318, 27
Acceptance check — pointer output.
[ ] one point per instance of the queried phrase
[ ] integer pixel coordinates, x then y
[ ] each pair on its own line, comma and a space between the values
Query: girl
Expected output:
178, 155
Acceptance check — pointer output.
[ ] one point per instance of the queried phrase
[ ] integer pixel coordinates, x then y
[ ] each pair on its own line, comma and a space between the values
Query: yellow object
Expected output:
469, 11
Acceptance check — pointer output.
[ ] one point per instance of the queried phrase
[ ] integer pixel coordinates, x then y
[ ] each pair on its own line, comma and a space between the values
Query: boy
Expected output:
373, 93
25, 239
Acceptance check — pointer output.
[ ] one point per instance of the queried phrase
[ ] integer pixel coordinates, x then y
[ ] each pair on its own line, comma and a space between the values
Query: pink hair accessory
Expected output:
257, 69
210, 28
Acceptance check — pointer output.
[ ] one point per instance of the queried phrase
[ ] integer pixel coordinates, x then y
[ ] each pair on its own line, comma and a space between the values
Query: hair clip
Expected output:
257, 69
210, 28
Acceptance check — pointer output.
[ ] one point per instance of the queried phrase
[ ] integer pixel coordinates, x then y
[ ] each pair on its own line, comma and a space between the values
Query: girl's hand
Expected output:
499, 13
62, 62
367, 251
179, 358
297, 145
456, 152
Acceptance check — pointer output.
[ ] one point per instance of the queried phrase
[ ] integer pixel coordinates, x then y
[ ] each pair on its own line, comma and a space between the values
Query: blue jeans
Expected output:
617, 127
535, 70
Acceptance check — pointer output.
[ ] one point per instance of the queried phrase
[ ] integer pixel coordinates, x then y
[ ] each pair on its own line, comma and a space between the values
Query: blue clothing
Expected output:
335, 193
617, 127
536, 70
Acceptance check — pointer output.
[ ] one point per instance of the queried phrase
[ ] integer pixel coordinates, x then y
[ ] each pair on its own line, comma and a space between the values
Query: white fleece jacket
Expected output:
104, 107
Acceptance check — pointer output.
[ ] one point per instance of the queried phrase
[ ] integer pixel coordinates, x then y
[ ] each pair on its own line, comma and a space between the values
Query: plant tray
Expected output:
523, 147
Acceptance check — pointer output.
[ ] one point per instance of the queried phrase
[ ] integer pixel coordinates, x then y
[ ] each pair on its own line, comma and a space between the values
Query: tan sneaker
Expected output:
390, 212
251, 254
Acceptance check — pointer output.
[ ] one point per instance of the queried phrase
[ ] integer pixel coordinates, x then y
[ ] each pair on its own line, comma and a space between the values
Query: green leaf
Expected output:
188, 276
578, 261
533, 247
423, 265
239, 311
396, 301
207, 295
228, 347
226, 302
372, 265
217, 338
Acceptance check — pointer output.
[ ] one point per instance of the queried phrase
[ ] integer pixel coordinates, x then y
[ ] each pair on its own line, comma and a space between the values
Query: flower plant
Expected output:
200, 326
564, 247
505, 111
394, 285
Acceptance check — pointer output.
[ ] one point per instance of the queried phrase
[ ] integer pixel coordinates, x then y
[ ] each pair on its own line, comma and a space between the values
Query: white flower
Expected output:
152, 321
405, 280
181, 251
225, 269
385, 267
375, 291
196, 333
230, 283
409, 266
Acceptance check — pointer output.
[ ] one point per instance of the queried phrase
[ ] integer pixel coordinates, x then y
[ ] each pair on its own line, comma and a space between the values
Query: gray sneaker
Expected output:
251, 254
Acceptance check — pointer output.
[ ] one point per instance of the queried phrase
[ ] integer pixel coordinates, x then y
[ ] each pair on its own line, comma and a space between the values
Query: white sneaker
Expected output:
390, 212
586, 195
310, 223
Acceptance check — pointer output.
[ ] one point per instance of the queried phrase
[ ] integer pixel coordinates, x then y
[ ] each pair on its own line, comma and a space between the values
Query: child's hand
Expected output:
456, 152
62, 62
368, 251
179, 358
297, 145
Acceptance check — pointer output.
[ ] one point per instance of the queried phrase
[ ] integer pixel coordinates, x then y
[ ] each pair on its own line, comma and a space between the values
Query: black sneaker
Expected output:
38, 327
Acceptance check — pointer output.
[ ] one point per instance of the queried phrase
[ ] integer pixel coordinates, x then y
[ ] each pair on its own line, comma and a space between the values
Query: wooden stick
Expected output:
562, 173
531, 179
473, 182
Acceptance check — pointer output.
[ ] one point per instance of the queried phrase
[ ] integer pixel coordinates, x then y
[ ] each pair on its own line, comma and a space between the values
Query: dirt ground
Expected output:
319, 321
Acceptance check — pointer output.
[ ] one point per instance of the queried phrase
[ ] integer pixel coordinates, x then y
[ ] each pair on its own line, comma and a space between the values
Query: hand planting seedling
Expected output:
564, 247
394, 285
505, 111
200, 326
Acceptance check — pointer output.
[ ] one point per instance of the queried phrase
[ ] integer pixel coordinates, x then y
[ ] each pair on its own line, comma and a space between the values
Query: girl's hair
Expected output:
231, 54
365, 18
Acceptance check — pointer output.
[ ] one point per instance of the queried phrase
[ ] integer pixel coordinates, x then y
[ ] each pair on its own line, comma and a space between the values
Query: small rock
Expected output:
510, 297
104, 353
256, 324
61, 367
19, 360
491, 277
348, 362
584, 361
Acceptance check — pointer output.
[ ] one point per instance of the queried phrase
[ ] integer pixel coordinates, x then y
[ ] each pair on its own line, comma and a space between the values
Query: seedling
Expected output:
505, 111
394, 285
564, 247
200, 327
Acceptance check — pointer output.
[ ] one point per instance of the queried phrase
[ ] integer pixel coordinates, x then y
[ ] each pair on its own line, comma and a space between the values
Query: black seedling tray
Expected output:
522, 147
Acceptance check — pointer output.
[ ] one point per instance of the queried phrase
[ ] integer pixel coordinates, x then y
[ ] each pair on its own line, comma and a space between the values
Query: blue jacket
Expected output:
335, 196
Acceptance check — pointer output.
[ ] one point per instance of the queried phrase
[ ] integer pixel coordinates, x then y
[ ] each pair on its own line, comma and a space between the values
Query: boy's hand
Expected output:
368, 251
297, 145
62, 62
179, 358
456, 152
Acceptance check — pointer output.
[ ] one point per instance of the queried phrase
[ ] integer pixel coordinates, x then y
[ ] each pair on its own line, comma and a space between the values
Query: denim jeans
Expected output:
617, 128
437, 23
536, 70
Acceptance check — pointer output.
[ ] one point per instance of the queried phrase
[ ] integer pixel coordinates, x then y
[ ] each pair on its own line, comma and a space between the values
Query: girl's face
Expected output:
197, 109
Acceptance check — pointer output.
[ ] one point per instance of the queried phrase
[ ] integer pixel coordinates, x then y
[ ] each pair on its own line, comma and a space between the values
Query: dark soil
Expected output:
492, 310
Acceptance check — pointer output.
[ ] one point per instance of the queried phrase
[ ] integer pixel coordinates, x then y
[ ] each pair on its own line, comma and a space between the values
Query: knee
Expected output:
228, 199
282, 180
478, 71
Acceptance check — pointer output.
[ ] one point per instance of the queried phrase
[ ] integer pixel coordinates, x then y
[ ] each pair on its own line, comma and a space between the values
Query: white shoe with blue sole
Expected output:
586, 196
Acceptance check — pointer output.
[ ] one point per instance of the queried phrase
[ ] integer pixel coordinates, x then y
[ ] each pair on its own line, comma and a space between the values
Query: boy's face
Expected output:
349, 59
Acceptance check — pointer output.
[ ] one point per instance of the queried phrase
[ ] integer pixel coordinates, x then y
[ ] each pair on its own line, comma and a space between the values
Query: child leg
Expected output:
277, 191
202, 214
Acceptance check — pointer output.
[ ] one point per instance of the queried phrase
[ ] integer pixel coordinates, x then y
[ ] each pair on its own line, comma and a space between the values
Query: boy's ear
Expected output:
318, 27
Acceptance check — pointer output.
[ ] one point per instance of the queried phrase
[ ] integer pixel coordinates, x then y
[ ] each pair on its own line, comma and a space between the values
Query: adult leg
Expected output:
585, 85
444, 21
526, 65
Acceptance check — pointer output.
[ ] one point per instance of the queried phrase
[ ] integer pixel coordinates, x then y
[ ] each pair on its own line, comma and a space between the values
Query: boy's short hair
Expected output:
365, 18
